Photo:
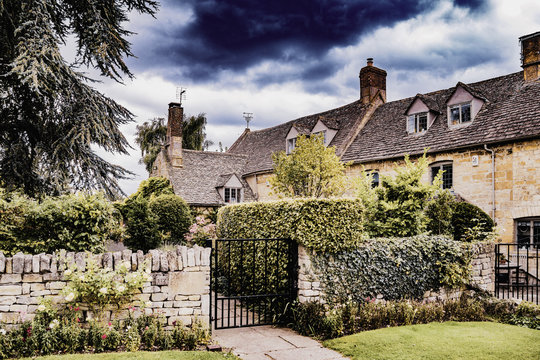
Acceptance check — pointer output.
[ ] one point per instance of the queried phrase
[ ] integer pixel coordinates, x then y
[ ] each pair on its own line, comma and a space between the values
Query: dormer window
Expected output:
291, 143
323, 132
460, 113
233, 195
417, 123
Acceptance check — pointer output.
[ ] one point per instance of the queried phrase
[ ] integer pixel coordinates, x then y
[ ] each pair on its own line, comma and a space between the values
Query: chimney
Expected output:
174, 134
530, 56
372, 80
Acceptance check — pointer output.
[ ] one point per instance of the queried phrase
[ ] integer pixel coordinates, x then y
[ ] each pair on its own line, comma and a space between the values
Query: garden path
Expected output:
270, 343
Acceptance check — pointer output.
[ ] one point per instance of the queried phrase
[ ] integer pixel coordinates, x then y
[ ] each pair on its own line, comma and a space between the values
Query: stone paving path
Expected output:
269, 343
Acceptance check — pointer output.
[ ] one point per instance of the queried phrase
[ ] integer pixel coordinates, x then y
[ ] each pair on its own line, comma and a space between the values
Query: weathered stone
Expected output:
9, 265
161, 279
126, 255
187, 304
11, 290
205, 256
133, 262
150, 289
117, 259
164, 263
44, 263
7, 300
142, 297
197, 255
27, 300
107, 261
10, 279
54, 264
191, 257
34, 278
80, 260
155, 259
25, 288
157, 304
51, 276
27, 263
55, 285
172, 260
18, 263
158, 297
37, 287
140, 259
205, 304
2, 262
10, 318
194, 297
187, 283
183, 252
40, 293
168, 304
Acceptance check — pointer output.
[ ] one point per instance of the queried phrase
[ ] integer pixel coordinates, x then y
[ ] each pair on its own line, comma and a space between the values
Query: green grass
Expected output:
143, 355
449, 340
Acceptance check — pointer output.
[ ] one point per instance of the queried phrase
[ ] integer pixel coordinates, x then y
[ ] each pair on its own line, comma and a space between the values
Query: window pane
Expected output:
447, 176
422, 122
536, 233
233, 195
412, 124
434, 172
227, 195
374, 179
523, 232
465, 112
454, 115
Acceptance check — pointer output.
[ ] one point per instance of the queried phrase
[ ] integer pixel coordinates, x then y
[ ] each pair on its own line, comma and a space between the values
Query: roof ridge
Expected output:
215, 152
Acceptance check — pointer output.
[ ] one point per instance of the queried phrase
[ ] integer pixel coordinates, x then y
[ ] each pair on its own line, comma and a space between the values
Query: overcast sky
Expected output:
283, 59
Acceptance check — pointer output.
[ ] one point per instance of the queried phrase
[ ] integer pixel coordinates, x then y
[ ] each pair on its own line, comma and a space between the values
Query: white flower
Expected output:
53, 324
103, 290
70, 296
3, 331
67, 272
121, 288
41, 307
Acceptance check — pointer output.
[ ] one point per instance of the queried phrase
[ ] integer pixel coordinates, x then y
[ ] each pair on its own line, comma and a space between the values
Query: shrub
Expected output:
173, 217
141, 226
75, 222
200, 231
154, 186
324, 225
470, 223
439, 213
395, 268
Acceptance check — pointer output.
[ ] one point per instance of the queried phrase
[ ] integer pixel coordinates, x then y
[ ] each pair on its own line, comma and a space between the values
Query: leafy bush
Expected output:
98, 287
54, 332
396, 268
153, 215
324, 225
173, 217
470, 223
75, 222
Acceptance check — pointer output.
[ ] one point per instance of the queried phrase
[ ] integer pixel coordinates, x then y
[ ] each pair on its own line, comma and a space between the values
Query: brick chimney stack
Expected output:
174, 134
372, 80
530, 56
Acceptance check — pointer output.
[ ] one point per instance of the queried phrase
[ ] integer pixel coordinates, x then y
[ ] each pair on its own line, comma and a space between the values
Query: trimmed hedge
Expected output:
397, 268
470, 223
323, 225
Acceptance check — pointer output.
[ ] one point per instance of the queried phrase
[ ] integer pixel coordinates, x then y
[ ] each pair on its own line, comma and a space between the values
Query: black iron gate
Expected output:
252, 281
516, 272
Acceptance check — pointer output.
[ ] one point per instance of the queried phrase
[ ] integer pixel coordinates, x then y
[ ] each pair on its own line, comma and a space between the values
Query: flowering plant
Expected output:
203, 229
99, 287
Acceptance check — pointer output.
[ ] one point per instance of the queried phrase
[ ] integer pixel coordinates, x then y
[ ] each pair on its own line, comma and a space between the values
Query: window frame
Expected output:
460, 107
323, 132
291, 145
531, 222
230, 190
416, 117
440, 165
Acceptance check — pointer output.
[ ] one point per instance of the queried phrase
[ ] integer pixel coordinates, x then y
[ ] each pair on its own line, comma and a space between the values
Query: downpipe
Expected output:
492, 180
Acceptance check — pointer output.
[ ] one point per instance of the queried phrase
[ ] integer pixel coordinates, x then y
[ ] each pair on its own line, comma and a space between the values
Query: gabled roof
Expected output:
427, 100
259, 145
196, 181
511, 112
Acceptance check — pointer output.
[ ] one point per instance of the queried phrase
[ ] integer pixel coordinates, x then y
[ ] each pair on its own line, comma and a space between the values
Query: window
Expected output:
374, 179
460, 113
417, 123
446, 176
232, 195
323, 134
291, 143
528, 232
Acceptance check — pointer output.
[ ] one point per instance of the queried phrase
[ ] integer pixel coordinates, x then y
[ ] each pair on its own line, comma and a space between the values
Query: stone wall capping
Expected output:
2, 262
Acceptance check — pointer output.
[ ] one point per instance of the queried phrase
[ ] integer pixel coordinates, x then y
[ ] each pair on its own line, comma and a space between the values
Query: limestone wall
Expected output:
179, 289
310, 288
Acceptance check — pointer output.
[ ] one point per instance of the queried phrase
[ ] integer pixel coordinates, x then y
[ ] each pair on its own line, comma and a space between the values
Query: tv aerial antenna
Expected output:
248, 117
180, 94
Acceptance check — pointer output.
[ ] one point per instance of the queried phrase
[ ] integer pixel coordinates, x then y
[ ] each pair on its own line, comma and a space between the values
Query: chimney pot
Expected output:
370, 61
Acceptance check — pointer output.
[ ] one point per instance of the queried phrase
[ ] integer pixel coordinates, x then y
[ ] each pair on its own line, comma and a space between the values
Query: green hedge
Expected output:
323, 225
396, 268
76, 222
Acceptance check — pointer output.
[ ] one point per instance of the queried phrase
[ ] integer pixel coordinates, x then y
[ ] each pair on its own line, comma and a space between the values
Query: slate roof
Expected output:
511, 111
260, 144
202, 171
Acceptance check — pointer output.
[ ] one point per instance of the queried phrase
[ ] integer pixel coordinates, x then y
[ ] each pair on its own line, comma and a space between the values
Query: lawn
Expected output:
144, 355
449, 340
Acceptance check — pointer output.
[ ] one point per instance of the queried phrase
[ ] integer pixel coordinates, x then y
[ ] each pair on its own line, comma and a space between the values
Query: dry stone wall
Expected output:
310, 288
179, 289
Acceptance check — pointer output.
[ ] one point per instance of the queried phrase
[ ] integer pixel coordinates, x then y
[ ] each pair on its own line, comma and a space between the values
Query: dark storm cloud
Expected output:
235, 35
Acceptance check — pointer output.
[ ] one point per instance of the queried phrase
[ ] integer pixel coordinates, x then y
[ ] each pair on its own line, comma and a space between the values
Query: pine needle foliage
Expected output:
51, 119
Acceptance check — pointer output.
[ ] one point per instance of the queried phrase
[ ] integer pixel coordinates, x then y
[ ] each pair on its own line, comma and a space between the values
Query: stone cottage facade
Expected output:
484, 135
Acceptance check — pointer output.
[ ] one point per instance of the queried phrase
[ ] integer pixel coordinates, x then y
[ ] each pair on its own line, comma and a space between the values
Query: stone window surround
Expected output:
534, 228
440, 165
